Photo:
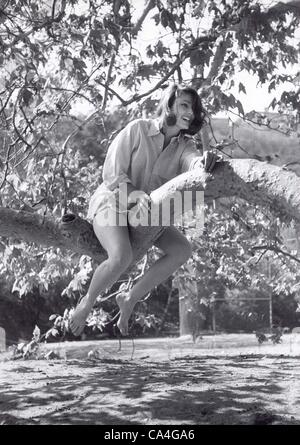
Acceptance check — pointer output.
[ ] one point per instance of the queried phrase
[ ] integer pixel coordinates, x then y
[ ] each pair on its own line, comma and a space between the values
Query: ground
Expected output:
217, 380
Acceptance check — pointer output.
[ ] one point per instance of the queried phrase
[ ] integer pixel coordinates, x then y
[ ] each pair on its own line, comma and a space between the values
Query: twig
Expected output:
6, 163
30, 152
34, 28
150, 5
276, 250
111, 65
68, 90
74, 95
261, 124
261, 255
20, 136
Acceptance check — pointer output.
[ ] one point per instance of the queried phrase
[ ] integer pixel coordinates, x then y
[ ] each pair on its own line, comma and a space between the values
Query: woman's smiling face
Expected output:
183, 110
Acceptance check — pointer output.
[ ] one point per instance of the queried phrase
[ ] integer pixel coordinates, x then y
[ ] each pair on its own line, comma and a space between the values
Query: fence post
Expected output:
2, 340
271, 313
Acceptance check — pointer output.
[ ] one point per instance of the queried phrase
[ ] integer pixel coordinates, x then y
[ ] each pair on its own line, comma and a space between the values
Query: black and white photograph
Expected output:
150, 215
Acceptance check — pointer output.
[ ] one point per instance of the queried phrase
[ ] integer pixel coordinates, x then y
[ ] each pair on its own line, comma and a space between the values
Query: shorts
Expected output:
109, 208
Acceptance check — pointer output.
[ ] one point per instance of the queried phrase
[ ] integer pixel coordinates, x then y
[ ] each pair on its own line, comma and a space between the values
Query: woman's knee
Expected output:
121, 258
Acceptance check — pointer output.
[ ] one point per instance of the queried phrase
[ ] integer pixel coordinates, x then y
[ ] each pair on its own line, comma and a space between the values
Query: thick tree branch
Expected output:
257, 182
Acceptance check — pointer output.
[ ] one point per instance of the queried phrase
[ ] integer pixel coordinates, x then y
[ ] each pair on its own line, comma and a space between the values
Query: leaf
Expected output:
242, 88
26, 96
52, 317
15, 180
222, 78
240, 107
199, 8
272, 86
196, 57
16, 253
54, 332
66, 314
160, 49
171, 21
146, 71
164, 18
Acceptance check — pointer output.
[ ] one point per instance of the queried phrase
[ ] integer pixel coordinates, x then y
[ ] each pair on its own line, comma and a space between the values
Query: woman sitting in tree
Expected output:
144, 155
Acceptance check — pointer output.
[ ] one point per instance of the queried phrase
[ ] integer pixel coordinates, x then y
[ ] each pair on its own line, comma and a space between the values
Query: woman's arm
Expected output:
191, 158
118, 159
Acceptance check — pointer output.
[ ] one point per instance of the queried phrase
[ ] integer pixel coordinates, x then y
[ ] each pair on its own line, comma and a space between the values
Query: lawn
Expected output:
222, 379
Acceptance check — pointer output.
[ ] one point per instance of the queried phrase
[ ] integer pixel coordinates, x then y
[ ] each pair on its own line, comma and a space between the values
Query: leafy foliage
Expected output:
32, 350
228, 264
275, 337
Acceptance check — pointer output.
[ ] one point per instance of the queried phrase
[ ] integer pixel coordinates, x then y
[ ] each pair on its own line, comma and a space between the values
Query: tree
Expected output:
57, 56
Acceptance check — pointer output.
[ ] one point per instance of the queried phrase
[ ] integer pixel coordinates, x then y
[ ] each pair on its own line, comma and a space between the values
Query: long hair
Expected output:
167, 101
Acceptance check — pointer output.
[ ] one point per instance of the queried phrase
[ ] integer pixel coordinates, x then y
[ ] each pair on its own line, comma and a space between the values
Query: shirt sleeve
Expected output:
117, 162
191, 157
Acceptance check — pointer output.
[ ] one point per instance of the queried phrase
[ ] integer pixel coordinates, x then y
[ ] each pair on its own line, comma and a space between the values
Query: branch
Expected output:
20, 136
42, 25
111, 65
53, 10
72, 97
261, 255
104, 85
277, 250
29, 152
178, 62
137, 97
150, 5
256, 182
68, 90
217, 61
261, 124
6, 166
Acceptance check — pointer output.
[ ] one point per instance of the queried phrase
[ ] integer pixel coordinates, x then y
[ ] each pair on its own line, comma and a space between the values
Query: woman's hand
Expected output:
139, 208
140, 198
209, 160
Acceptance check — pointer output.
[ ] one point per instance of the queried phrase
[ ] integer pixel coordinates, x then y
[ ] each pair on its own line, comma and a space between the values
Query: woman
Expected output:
144, 155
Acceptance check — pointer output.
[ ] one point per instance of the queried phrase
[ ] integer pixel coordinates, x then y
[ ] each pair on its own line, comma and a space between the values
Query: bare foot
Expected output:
126, 308
79, 316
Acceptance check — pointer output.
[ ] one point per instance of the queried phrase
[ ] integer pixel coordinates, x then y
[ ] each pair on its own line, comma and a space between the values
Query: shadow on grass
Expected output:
190, 390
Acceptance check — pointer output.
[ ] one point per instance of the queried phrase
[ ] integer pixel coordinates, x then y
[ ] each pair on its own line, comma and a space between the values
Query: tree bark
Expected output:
257, 182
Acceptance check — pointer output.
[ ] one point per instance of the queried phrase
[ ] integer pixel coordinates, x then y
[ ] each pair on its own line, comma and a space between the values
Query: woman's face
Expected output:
182, 108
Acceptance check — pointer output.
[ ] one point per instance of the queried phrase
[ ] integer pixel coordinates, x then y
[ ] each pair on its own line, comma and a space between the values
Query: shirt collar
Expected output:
156, 126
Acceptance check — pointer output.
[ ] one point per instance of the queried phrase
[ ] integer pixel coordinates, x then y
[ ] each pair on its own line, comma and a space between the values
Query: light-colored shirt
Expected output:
136, 155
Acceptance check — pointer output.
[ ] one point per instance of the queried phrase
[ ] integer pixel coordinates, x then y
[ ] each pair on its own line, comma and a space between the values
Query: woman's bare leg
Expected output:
176, 250
115, 240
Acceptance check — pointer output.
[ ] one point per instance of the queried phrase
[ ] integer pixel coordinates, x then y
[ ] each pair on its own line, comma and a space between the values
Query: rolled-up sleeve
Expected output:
117, 162
191, 157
